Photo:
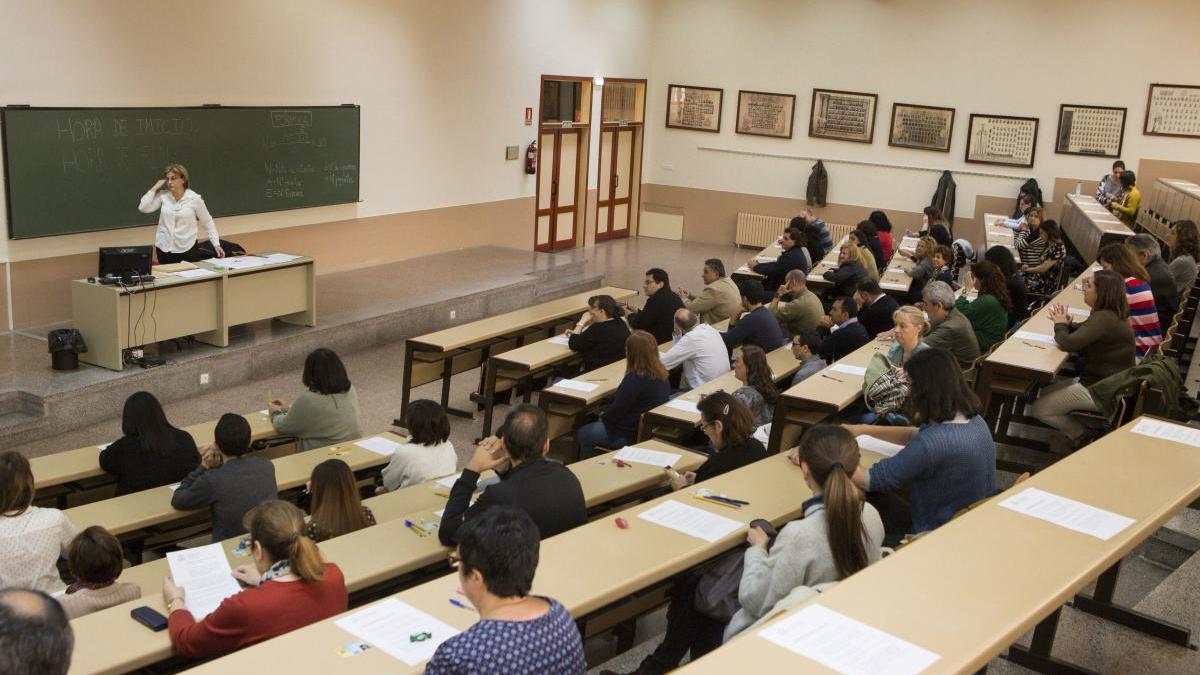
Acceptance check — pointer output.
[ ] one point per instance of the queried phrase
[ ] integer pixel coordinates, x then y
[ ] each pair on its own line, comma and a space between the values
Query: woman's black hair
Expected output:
882, 224
607, 304
1003, 258
502, 544
940, 233
324, 373
426, 422
939, 391
143, 418
1128, 179
867, 227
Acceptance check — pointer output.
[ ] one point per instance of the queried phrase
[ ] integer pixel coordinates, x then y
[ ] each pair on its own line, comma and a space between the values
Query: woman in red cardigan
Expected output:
290, 587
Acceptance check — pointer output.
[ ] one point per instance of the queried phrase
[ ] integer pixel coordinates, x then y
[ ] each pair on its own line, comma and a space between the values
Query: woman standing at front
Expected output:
180, 213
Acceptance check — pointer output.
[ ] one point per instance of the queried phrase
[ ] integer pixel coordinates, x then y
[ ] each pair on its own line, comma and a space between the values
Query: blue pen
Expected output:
458, 603
415, 528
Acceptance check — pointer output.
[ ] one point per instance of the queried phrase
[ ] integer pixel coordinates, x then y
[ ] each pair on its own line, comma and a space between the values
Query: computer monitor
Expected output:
125, 261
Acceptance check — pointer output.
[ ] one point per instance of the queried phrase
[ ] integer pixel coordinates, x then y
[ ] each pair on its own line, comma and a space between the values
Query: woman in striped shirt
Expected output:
1039, 243
1143, 315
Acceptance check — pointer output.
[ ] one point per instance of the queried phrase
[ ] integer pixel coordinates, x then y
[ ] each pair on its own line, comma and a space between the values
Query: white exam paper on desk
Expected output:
204, 574
378, 444
198, 273
690, 520
632, 453
878, 445
680, 404
388, 626
559, 340
1167, 431
275, 258
848, 369
1067, 513
847, 645
1036, 337
576, 385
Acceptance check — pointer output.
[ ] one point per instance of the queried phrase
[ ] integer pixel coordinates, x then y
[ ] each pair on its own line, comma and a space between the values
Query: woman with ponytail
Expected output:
289, 588
838, 534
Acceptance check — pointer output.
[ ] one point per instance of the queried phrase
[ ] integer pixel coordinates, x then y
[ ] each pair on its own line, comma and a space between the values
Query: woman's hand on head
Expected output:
158, 185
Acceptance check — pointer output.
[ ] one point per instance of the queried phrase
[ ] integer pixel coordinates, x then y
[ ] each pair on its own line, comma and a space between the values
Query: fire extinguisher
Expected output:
531, 158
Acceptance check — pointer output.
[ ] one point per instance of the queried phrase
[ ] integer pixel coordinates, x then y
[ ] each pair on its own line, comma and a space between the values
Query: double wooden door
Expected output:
616, 177
558, 188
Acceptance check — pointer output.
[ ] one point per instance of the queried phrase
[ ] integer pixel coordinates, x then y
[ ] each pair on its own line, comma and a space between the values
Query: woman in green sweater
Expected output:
989, 311
325, 414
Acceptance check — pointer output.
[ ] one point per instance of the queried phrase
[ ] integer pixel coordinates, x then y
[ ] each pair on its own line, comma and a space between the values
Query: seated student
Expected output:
599, 336
657, 316
847, 274
1039, 243
820, 240
837, 534
911, 326
942, 255
336, 506
290, 587
428, 453
933, 224
697, 347
869, 237
1105, 343
950, 329
150, 451
1143, 314
1110, 184
948, 460
227, 481
922, 271
644, 387
720, 298
792, 258
865, 258
517, 632
327, 412
95, 560
989, 311
546, 490
1184, 243
758, 392
841, 332
32, 538
1014, 282
1162, 285
883, 229
794, 305
35, 634
1125, 207
806, 347
875, 308
757, 326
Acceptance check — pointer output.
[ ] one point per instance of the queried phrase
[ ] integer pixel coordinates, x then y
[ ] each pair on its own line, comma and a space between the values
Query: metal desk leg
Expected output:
1037, 655
447, 372
489, 397
1100, 604
406, 384
781, 415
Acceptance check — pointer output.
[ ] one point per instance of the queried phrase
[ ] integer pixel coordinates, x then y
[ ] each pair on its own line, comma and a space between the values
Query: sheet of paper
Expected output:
815, 277
848, 369
686, 406
632, 453
894, 285
1079, 313
765, 258
102, 447
174, 486
204, 575
690, 520
1067, 513
1001, 233
389, 625
198, 273
274, 258
378, 444
1035, 337
448, 481
1168, 431
576, 385
878, 445
743, 269
439, 513
265, 411
559, 340
847, 645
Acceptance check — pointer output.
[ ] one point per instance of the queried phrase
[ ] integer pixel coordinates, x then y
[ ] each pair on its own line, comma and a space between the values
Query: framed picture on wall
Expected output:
694, 108
760, 113
1001, 139
921, 127
843, 115
1090, 130
1173, 110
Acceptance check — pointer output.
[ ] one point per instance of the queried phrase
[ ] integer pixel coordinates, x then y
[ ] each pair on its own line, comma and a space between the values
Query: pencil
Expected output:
830, 377
1030, 344
719, 503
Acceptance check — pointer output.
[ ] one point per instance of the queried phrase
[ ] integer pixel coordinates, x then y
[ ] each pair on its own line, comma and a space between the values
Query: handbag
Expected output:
716, 593
885, 386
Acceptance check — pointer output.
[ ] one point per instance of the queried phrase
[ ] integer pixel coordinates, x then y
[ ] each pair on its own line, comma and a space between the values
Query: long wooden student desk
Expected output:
586, 569
367, 557
83, 464
152, 508
816, 276
539, 358
113, 318
671, 423
972, 587
1089, 226
820, 396
1169, 200
769, 254
895, 278
995, 233
443, 353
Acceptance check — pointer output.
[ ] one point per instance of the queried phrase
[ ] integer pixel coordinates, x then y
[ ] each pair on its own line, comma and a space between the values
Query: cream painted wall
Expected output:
443, 85
1018, 57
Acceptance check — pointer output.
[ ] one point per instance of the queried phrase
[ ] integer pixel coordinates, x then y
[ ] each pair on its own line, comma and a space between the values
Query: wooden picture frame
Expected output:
762, 113
988, 136
921, 127
843, 115
693, 108
1173, 110
1101, 130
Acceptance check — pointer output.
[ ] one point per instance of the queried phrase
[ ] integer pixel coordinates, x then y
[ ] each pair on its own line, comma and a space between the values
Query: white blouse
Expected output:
30, 545
178, 221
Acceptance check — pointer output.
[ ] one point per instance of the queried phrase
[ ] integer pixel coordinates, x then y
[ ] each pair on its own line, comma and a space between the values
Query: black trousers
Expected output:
687, 630
190, 255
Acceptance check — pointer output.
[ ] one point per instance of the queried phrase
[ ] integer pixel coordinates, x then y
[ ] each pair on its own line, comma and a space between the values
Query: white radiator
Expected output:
758, 230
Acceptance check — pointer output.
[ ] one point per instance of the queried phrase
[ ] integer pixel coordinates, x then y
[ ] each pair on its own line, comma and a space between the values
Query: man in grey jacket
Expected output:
951, 330
227, 481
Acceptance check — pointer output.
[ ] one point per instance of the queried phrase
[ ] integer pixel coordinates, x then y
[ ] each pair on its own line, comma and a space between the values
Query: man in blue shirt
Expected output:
758, 325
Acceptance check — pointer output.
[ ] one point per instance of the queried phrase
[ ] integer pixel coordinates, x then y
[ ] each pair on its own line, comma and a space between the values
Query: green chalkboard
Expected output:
83, 169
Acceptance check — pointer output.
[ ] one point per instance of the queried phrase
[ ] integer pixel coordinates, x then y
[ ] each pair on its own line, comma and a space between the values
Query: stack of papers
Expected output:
690, 520
205, 576
379, 445
632, 453
389, 625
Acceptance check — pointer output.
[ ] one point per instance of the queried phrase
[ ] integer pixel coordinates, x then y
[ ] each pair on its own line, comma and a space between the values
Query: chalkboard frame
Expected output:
8, 203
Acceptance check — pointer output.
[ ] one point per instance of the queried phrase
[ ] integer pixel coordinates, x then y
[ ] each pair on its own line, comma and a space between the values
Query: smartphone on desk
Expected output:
149, 618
